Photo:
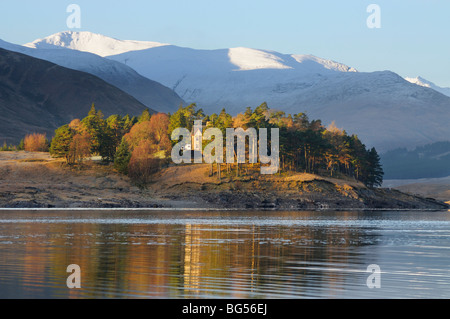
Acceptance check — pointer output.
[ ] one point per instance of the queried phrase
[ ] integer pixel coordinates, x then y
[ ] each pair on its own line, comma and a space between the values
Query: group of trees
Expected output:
35, 143
139, 145
305, 145
136, 145
90, 136
31, 143
309, 146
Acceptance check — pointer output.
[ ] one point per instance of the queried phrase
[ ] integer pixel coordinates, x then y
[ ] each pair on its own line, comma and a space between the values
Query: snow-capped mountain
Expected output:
428, 84
150, 93
91, 42
384, 109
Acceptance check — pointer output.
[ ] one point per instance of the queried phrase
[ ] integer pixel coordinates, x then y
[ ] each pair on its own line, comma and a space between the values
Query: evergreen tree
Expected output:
92, 111
259, 117
128, 123
177, 120
374, 175
97, 128
145, 116
61, 142
122, 158
223, 121
185, 117
21, 146
5, 147
358, 156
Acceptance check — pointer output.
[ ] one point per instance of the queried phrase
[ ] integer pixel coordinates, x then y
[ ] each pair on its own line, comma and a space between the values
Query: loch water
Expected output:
224, 254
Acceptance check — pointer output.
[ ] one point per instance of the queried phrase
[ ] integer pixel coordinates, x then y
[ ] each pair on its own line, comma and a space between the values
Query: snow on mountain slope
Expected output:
385, 110
152, 94
209, 76
237, 58
250, 59
425, 83
381, 107
91, 42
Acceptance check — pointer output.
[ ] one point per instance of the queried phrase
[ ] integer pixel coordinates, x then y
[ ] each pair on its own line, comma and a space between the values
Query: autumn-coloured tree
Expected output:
138, 133
36, 143
80, 148
76, 126
159, 125
153, 131
142, 163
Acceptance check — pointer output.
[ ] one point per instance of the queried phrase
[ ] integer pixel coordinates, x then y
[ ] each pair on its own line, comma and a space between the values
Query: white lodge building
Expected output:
196, 140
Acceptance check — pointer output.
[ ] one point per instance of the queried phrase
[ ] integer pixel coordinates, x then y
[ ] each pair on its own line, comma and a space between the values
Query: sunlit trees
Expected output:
138, 146
61, 142
145, 116
79, 148
185, 117
159, 126
154, 131
128, 123
95, 126
142, 163
35, 143
307, 145
338, 153
138, 133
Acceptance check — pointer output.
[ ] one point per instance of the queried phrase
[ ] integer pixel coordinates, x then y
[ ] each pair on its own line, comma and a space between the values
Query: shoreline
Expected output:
35, 181
202, 209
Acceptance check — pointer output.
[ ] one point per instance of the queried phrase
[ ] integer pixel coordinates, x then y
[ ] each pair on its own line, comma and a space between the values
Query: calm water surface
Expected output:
135, 254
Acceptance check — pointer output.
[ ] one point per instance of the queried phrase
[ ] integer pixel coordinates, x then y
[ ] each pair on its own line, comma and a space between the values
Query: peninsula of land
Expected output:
36, 180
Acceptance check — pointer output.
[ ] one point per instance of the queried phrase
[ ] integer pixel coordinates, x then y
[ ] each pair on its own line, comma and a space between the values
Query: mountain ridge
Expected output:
425, 83
85, 41
37, 96
151, 93
381, 107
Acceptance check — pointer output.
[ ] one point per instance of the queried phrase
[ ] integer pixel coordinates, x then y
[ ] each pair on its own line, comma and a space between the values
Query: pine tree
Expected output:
375, 172
145, 116
61, 142
177, 120
128, 123
21, 146
96, 127
92, 111
123, 156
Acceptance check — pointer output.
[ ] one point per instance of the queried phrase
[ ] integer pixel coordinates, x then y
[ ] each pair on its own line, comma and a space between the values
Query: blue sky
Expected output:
414, 38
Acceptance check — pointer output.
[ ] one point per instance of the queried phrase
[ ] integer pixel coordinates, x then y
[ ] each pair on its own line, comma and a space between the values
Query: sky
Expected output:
413, 39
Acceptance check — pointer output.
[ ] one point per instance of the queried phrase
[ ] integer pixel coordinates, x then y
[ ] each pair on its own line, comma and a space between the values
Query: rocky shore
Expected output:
319, 195
35, 180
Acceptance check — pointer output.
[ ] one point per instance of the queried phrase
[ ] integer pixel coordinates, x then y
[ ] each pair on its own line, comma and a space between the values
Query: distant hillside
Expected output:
382, 108
428, 84
39, 96
429, 161
150, 93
